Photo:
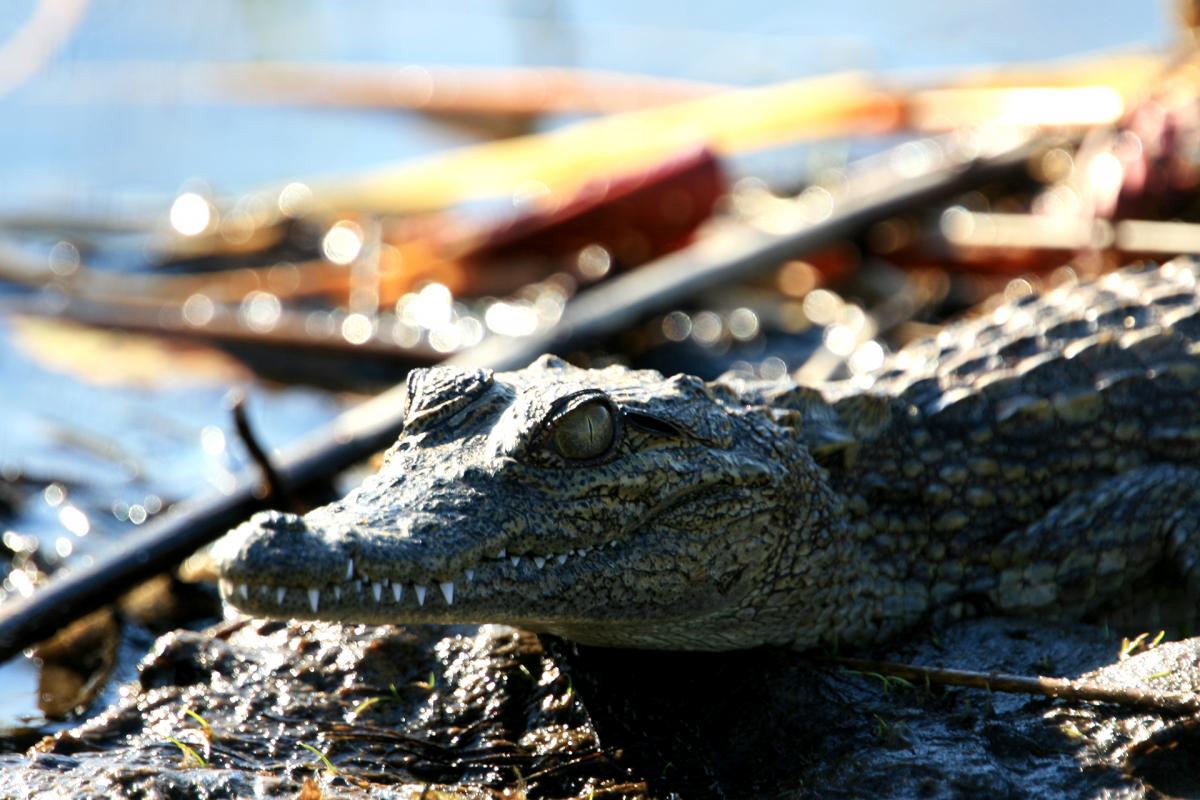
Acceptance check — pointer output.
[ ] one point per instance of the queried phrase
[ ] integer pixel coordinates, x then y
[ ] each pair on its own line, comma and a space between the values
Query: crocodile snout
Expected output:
279, 549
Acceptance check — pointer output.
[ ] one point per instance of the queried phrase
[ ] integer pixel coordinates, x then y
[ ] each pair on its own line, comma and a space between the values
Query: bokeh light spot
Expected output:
190, 214
342, 243
198, 310
357, 328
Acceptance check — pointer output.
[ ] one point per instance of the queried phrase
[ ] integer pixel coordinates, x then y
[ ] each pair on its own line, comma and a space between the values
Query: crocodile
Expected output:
1031, 460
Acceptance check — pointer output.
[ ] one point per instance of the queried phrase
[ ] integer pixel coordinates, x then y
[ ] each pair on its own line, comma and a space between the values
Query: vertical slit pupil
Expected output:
585, 432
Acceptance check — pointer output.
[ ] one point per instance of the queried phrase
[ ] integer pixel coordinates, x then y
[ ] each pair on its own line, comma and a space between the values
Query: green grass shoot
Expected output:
329, 767
187, 751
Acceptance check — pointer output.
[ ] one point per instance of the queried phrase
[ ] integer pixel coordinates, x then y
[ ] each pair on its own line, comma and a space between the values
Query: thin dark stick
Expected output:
738, 253
272, 488
1060, 688
726, 256
165, 541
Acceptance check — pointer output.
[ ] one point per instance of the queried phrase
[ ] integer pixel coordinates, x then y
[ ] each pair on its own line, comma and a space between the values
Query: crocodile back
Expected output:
986, 426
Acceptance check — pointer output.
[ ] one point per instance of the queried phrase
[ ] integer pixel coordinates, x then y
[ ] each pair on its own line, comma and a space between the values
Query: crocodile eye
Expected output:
584, 432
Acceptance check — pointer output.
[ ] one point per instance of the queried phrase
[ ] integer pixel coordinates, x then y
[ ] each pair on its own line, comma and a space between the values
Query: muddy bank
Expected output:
267, 709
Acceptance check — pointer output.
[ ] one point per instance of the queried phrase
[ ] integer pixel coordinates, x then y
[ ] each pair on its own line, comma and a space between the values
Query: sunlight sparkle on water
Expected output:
342, 243
319, 323
198, 310
260, 311
64, 258
404, 334
511, 319
212, 440
430, 308
74, 520
357, 328
593, 262
867, 358
1105, 174
18, 581
445, 338
822, 306
840, 340
676, 326
707, 327
54, 494
293, 198
190, 214
743, 324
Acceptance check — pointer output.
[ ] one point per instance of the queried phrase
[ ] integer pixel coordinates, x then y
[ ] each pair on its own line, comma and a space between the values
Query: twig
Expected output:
1059, 688
276, 491
168, 539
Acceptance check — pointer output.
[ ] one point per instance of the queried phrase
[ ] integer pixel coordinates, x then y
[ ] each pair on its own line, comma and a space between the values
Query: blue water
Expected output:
57, 148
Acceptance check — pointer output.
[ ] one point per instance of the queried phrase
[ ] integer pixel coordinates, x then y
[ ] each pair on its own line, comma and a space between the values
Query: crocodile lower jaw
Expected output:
377, 598
352, 594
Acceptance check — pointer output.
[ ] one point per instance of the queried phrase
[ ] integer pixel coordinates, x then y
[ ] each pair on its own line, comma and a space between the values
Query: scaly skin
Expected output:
1039, 457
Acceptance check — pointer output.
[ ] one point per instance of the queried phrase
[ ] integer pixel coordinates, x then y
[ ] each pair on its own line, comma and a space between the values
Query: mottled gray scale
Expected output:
1154, 345
1123, 390
1181, 376
1126, 315
1185, 322
1042, 456
973, 365
988, 336
889, 375
961, 408
1000, 386
437, 393
1171, 299
684, 399
1070, 330
922, 392
1044, 375
1030, 344
1102, 353
864, 415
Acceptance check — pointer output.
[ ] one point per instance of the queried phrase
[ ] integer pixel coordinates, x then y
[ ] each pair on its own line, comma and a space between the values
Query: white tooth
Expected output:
244, 591
279, 595
515, 560
541, 562
470, 574
583, 551
377, 590
314, 598
265, 591
225, 586
337, 592
397, 591
420, 590
447, 592
503, 553
613, 543
349, 568
562, 558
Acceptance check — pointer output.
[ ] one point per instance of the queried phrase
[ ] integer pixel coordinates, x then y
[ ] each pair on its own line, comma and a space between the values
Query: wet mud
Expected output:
271, 709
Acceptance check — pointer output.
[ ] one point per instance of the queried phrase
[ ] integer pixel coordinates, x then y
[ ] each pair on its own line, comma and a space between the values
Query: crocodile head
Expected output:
613, 507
